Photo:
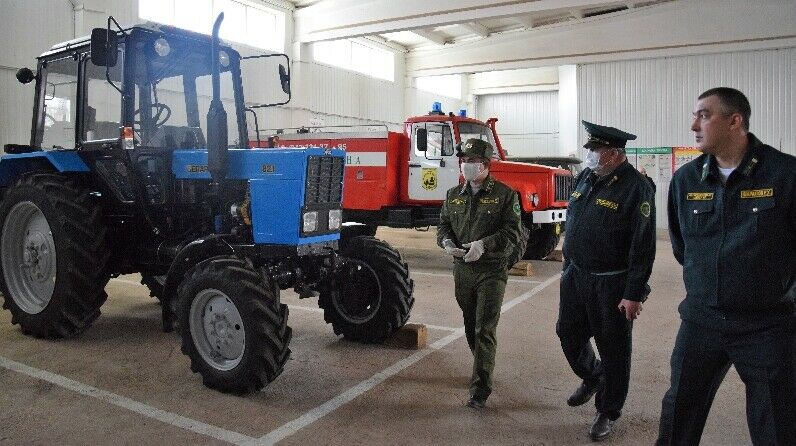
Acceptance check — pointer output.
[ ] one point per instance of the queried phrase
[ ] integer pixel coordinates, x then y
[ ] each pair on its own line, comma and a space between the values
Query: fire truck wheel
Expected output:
542, 242
54, 256
233, 325
350, 231
374, 297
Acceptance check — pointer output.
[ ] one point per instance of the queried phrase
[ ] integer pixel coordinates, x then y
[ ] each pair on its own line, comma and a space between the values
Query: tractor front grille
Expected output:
324, 180
563, 187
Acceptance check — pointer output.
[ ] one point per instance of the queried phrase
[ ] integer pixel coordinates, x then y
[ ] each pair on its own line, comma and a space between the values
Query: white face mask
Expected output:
592, 159
470, 171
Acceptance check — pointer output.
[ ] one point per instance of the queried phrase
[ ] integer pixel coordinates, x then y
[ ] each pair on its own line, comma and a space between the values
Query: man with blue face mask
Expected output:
608, 249
480, 229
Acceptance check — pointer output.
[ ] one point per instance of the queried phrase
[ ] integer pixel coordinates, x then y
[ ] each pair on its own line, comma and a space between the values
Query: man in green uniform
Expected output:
479, 227
608, 250
732, 220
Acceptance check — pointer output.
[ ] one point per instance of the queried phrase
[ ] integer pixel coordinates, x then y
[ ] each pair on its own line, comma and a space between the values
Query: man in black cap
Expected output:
732, 221
609, 248
480, 227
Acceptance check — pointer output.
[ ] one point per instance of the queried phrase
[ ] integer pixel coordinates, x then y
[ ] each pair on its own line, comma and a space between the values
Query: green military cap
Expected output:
604, 136
476, 147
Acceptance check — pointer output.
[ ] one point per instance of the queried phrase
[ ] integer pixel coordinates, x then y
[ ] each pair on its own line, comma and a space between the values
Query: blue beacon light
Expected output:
463, 113
436, 107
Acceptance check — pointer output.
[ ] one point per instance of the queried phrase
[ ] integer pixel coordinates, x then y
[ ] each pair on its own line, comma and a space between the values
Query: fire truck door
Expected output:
433, 172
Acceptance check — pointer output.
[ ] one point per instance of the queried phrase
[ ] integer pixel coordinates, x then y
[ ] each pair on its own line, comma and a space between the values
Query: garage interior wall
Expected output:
322, 95
654, 98
527, 122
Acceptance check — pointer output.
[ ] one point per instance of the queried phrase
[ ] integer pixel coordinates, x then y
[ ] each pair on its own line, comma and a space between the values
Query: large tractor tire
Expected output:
373, 296
53, 256
542, 242
348, 232
233, 325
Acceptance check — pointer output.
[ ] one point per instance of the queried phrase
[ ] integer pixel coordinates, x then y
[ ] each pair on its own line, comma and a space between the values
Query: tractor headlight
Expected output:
335, 219
310, 220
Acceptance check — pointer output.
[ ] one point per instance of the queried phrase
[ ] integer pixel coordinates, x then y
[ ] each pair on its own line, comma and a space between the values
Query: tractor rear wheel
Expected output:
373, 296
233, 326
53, 256
542, 242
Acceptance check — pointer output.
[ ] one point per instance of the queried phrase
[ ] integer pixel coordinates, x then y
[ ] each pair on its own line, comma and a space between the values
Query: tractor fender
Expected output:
189, 256
12, 166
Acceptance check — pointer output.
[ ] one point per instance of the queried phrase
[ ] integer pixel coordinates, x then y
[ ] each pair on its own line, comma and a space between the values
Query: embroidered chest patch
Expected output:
699, 196
489, 200
609, 204
757, 193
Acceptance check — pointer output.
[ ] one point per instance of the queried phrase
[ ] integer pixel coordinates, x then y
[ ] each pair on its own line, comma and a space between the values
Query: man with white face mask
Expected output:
608, 249
480, 227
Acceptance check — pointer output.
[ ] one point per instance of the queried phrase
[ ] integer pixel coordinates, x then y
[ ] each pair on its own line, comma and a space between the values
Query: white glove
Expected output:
475, 252
451, 249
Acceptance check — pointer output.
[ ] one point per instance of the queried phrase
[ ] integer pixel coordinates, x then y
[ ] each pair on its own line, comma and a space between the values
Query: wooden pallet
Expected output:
410, 336
521, 268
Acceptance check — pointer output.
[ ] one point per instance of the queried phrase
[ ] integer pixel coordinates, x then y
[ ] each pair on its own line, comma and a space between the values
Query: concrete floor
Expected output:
126, 382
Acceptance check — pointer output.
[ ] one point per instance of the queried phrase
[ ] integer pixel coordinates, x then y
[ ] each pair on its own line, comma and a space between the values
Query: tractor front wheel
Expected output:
53, 256
373, 293
233, 326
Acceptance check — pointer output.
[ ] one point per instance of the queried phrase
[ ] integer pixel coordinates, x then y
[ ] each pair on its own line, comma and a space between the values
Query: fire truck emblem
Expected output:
429, 179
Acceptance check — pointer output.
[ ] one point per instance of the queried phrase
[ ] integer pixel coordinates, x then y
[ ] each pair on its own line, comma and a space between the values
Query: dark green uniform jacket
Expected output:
611, 227
736, 242
493, 215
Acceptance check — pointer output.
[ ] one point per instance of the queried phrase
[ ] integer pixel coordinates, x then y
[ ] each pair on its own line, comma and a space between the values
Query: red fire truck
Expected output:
400, 179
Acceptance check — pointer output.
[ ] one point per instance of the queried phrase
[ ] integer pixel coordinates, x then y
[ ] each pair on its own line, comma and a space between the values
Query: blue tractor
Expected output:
122, 176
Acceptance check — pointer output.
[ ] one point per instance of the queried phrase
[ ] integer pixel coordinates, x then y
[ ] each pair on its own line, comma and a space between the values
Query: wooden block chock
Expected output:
521, 268
410, 336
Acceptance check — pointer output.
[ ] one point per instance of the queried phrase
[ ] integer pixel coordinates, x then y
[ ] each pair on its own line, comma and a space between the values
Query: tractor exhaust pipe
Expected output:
217, 139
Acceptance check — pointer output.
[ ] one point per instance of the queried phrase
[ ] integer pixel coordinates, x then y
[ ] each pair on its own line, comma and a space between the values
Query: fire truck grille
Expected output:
563, 187
324, 180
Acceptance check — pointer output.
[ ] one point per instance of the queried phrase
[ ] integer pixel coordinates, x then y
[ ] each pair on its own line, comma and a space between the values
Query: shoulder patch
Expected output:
517, 209
646, 209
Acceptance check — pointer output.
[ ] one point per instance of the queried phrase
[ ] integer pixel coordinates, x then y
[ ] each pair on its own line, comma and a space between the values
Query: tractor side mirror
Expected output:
25, 75
104, 44
421, 140
284, 78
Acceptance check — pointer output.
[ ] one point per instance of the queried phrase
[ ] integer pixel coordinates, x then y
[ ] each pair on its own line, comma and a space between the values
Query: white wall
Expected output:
654, 98
527, 122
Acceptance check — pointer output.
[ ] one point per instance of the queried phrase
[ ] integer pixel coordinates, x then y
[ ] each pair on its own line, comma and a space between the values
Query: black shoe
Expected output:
476, 403
601, 427
582, 395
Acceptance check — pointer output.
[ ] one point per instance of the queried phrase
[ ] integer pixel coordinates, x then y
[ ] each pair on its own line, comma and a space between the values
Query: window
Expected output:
101, 119
469, 130
356, 56
255, 26
60, 103
439, 141
449, 85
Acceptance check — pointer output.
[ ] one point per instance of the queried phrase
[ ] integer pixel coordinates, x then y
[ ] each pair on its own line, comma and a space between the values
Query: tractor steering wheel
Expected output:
161, 115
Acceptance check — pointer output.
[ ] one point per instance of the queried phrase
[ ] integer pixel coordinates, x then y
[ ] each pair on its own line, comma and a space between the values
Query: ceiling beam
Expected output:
341, 19
430, 35
476, 28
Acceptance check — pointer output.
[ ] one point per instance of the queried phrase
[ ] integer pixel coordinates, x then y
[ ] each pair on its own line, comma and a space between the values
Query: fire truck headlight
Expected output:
534, 199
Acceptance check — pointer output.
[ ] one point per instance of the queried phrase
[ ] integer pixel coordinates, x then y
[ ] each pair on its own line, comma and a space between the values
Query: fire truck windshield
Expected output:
468, 130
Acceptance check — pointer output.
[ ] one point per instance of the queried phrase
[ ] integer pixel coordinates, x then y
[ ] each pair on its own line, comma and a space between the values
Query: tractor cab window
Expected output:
172, 86
102, 114
60, 103
440, 141
469, 130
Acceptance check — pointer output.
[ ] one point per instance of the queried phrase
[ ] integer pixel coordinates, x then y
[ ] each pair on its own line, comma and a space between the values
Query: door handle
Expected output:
414, 165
